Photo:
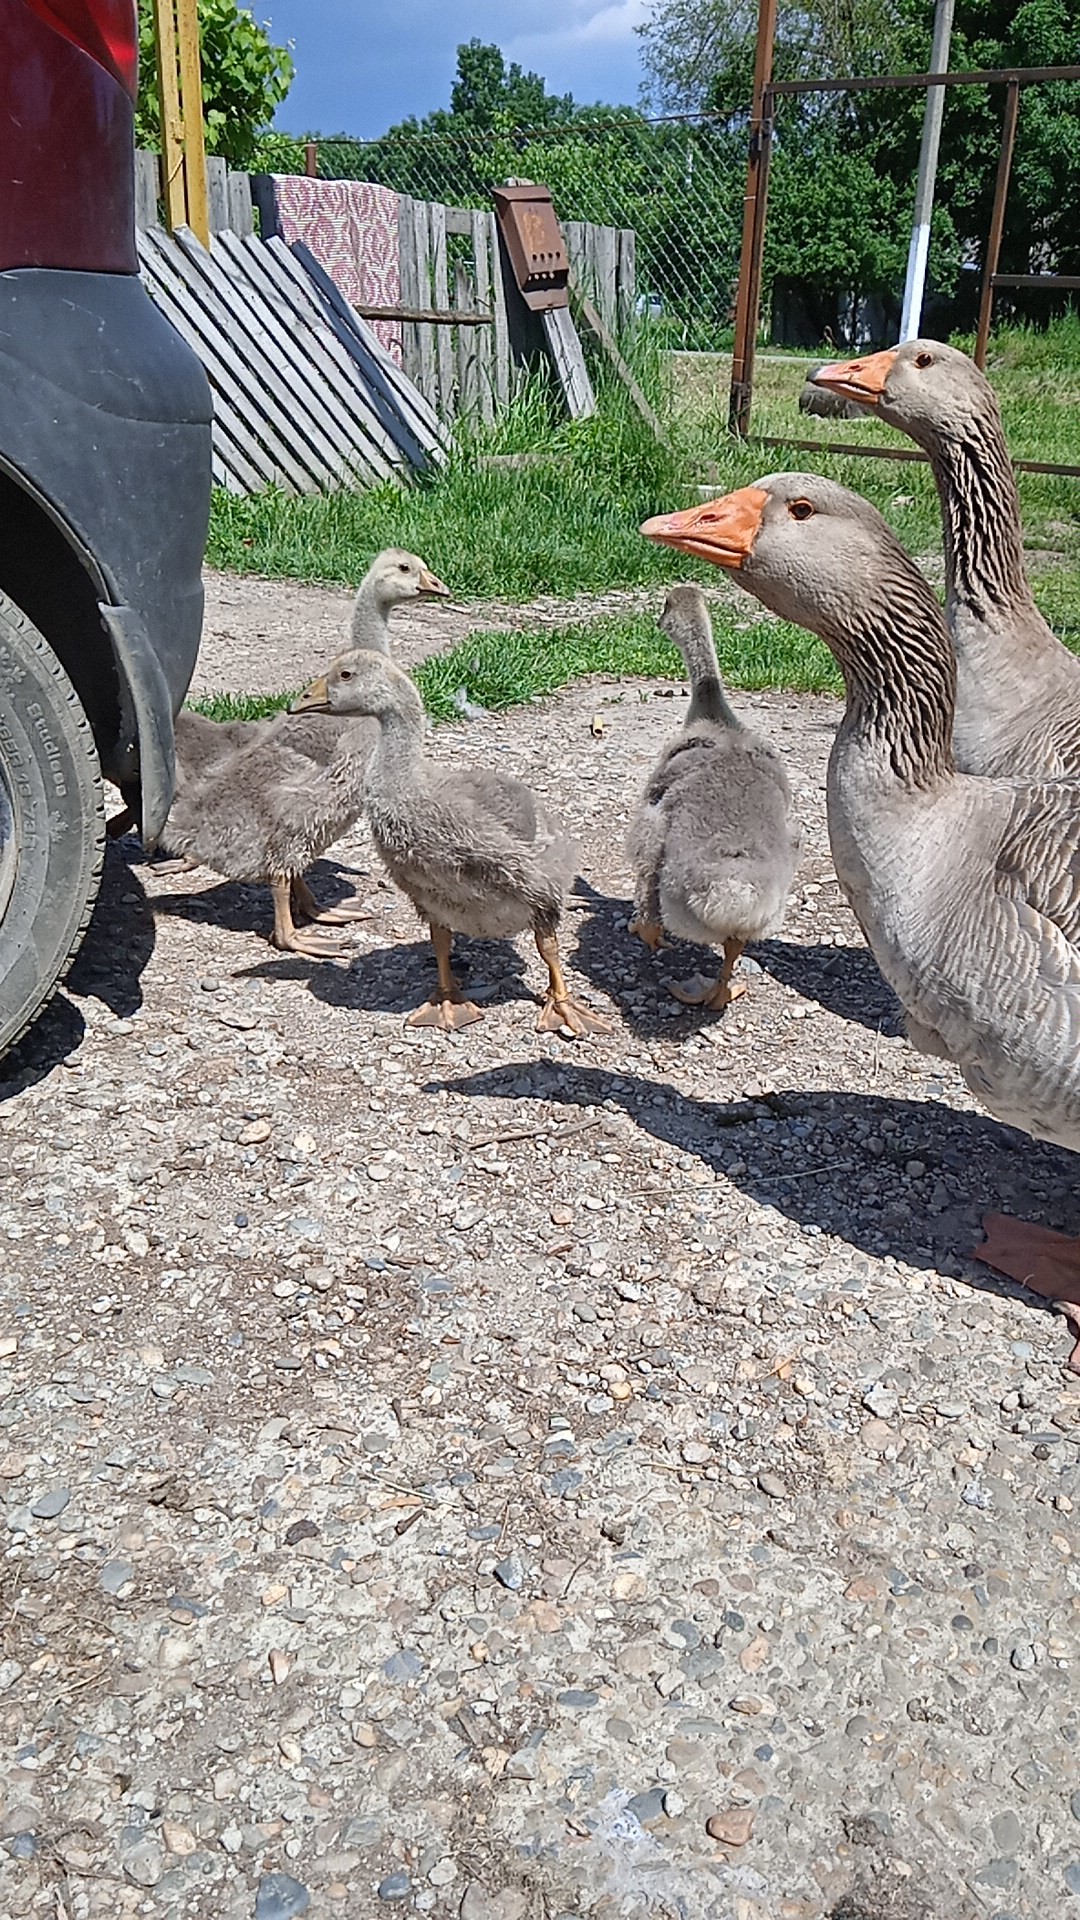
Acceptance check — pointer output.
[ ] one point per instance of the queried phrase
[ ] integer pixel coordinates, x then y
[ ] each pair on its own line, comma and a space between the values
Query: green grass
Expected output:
497, 670
567, 524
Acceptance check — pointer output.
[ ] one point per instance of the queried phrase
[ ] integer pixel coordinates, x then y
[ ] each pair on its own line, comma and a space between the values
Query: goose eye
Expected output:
402, 568
924, 359
800, 509
346, 673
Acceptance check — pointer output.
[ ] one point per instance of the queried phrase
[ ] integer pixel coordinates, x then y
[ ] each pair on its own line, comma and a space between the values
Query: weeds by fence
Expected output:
677, 183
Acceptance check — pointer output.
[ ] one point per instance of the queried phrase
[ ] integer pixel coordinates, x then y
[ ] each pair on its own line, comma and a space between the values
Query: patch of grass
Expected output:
497, 670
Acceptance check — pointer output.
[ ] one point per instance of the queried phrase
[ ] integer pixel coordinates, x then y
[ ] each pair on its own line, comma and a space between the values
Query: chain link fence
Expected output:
678, 183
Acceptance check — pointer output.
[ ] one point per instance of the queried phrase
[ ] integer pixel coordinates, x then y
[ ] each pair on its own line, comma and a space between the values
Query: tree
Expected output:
244, 79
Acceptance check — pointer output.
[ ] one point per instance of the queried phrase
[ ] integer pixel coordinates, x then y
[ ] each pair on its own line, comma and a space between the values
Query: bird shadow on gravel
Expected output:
108, 967
799, 1153
240, 907
399, 978
843, 980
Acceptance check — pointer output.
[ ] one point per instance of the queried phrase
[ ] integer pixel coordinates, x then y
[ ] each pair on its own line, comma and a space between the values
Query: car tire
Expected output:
52, 823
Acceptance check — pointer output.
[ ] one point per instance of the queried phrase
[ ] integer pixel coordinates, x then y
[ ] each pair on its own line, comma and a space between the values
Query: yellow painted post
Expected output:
172, 124
198, 211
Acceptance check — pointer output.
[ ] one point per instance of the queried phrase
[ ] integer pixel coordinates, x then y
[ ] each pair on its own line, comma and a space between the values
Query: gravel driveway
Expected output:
480, 1476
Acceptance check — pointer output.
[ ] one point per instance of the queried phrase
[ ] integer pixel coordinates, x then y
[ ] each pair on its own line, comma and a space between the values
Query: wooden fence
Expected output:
451, 261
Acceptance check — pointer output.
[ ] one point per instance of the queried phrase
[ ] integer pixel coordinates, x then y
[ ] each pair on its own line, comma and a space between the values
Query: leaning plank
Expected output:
312, 366
444, 346
564, 346
411, 422
297, 368
594, 321
210, 336
485, 343
228, 308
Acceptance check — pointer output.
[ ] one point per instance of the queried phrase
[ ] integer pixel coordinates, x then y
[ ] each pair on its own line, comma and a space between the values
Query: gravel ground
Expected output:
480, 1476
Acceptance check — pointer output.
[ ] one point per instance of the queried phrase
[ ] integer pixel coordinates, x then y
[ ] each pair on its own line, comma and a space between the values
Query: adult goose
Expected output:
1018, 688
968, 889
472, 848
713, 840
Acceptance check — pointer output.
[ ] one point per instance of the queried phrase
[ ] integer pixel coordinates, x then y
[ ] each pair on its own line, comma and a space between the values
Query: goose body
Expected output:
473, 849
1018, 687
713, 841
967, 888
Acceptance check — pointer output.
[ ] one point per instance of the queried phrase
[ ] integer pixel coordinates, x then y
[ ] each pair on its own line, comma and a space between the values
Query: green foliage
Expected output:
244, 79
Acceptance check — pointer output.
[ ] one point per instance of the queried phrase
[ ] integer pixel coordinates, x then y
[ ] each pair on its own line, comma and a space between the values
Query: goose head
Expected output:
927, 389
361, 683
806, 548
685, 618
396, 576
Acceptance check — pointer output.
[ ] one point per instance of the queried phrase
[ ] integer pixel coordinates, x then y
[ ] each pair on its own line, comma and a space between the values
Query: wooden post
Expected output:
191, 101
311, 159
183, 143
997, 219
753, 235
172, 124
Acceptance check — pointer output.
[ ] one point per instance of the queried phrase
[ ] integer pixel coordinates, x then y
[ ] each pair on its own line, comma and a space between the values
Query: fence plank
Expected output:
444, 345
241, 218
426, 376
606, 241
217, 192
466, 371
409, 284
485, 342
498, 304
627, 300
147, 188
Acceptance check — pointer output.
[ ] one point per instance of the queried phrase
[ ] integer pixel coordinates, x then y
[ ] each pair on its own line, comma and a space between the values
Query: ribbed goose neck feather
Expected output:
707, 698
900, 674
984, 551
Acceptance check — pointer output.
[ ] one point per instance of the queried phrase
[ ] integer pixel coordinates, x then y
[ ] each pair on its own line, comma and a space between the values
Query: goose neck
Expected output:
707, 698
370, 627
900, 677
980, 509
397, 761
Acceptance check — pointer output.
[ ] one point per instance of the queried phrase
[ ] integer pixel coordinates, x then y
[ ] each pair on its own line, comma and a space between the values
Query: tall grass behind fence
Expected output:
678, 183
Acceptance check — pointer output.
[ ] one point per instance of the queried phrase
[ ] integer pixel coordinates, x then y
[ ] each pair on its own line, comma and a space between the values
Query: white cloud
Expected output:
606, 26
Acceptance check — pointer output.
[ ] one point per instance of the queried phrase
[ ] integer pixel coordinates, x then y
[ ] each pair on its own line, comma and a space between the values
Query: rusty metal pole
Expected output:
997, 219
311, 158
753, 234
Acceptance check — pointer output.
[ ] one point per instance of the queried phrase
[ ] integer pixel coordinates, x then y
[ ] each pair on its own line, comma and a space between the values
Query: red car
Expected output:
104, 487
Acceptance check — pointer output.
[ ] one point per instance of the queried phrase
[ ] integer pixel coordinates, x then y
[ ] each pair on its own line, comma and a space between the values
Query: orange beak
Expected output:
861, 380
721, 531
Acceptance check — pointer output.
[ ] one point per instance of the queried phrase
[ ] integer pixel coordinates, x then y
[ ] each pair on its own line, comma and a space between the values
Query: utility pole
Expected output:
748, 299
915, 284
183, 146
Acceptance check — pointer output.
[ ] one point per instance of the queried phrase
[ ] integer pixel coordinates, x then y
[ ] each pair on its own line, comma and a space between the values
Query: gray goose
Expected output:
713, 841
1018, 688
222, 766
968, 889
473, 849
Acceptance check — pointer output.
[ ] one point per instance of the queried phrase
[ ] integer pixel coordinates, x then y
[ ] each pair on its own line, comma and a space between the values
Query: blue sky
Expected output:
362, 64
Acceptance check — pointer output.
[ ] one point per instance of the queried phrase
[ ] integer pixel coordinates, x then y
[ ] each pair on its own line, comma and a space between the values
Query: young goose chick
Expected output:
713, 842
968, 889
394, 578
1018, 688
265, 813
473, 849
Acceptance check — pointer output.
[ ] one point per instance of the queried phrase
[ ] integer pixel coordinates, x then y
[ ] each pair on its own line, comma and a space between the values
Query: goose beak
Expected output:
314, 699
721, 531
430, 583
861, 380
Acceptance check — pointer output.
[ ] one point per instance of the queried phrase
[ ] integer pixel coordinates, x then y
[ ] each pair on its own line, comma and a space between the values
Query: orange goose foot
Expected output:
1046, 1262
